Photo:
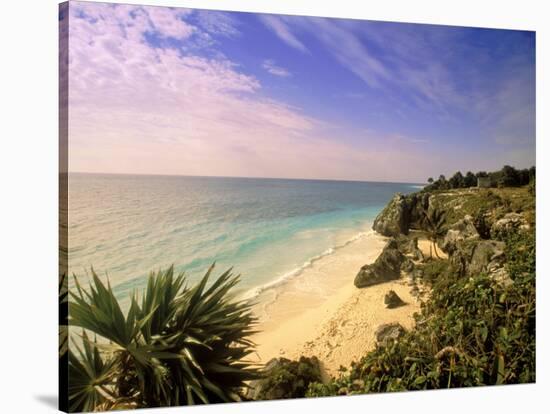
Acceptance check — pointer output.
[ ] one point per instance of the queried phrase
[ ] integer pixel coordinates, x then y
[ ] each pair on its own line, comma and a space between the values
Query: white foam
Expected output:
255, 292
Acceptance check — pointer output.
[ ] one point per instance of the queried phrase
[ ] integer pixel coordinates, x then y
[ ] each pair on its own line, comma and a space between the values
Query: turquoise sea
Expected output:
266, 229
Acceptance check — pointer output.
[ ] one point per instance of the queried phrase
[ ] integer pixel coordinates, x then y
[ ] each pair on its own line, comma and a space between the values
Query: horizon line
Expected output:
249, 177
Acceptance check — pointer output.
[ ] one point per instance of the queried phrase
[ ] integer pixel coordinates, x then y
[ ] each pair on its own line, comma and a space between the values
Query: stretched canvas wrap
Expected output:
259, 206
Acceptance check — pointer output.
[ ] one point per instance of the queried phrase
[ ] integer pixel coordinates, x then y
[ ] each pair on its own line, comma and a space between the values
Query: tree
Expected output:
430, 180
442, 183
457, 180
523, 177
179, 346
433, 222
508, 177
470, 179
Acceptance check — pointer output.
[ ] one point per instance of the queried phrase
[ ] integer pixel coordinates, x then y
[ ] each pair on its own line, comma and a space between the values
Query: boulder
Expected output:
407, 265
511, 222
482, 256
501, 277
285, 379
388, 332
395, 217
385, 268
403, 213
487, 256
392, 300
419, 204
462, 230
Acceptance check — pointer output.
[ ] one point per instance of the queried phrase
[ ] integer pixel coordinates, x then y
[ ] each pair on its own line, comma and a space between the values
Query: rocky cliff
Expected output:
403, 212
476, 224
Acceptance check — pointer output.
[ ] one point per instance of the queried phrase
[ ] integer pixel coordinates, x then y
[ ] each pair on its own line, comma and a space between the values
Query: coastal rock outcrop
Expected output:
392, 300
482, 256
395, 218
388, 332
487, 256
419, 204
386, 267
402, 213
511, 222
285, 379
462, 230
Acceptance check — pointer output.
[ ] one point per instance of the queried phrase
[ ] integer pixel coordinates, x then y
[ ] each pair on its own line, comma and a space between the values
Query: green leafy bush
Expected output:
432, 270
287, 379
176, 346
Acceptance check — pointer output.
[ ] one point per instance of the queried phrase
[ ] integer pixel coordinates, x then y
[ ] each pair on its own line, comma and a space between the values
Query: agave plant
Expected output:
175, 346
434, 223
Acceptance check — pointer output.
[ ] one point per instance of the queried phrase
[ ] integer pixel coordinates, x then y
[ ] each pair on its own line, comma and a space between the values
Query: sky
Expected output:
157, 90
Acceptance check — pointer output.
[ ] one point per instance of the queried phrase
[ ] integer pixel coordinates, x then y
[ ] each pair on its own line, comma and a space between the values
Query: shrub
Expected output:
287, 379
178, 346
433, 269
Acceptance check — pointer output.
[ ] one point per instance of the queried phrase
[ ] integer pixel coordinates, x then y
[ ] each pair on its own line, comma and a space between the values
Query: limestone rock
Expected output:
487, 256
388, 332
285, 379
392, 300
511, 222
386, 267
395, 217
407, 265
501, 277
459, 232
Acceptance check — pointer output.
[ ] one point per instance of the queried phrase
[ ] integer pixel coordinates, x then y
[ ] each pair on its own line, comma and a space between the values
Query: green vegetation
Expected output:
507, 177
474, 328
472, 331
176, 346
179, 345
431, 270
287, 379
493, 203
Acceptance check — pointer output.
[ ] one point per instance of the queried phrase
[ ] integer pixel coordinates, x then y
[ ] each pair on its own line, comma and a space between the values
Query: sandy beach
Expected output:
321, 313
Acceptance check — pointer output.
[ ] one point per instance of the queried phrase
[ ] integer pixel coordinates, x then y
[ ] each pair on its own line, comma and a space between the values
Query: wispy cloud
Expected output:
283, 31
152, 91
138, 107
347, 49
270, 66
420, 72
169, 22
218, 23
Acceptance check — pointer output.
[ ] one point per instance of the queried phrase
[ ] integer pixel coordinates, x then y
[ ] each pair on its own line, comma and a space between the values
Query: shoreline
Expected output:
321, 313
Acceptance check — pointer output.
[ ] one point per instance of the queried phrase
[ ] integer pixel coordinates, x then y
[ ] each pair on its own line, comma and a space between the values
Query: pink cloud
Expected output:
135, 108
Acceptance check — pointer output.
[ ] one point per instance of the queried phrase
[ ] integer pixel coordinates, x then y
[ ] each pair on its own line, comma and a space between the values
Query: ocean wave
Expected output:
256, 291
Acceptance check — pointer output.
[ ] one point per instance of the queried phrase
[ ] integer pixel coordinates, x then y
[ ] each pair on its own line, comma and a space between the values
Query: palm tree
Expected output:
178, 346
433, 222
